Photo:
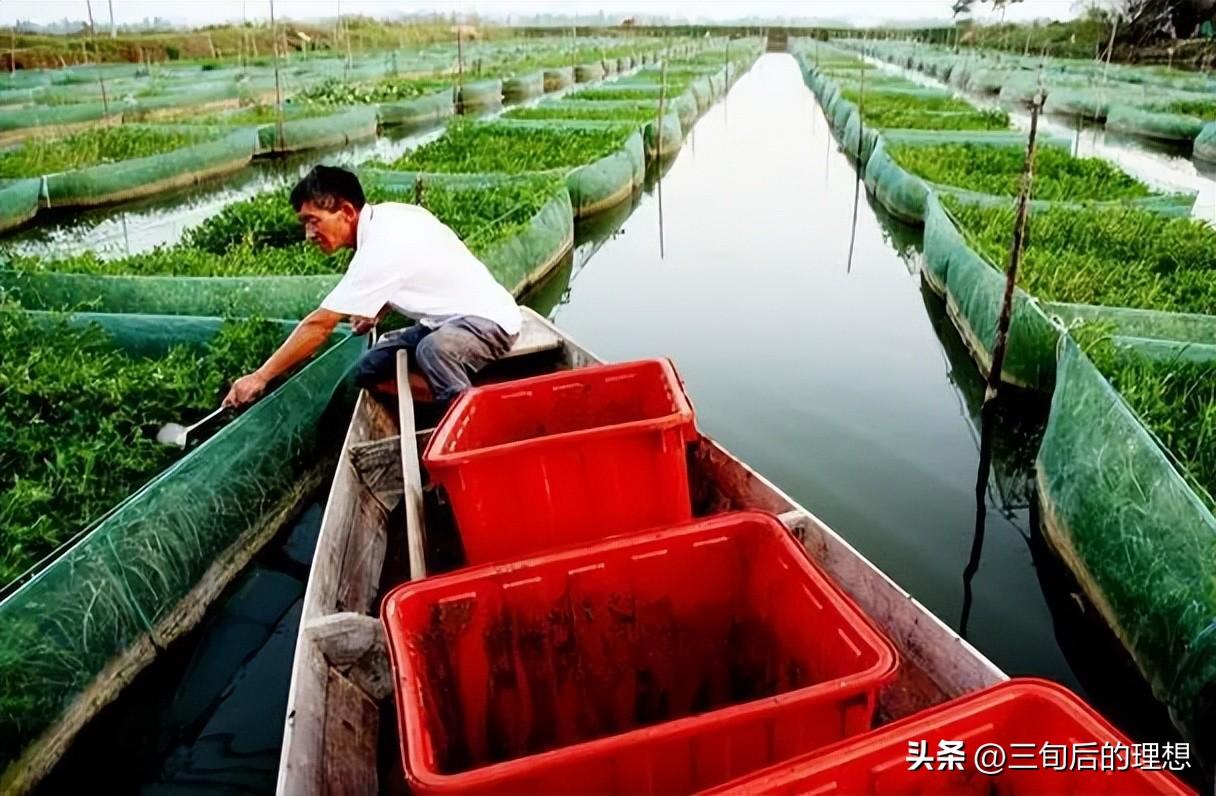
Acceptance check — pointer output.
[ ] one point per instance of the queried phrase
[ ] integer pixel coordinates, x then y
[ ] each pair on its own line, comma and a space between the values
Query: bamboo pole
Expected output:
1015, 253
113, 27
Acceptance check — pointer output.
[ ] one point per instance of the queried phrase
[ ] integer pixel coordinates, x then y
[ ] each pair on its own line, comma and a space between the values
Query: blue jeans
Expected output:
446, 356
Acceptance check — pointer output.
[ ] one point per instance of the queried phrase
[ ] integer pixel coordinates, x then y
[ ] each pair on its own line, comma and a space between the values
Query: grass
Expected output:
1118, 257
509, 149
260, 236
79, 418
34, 158
997, 170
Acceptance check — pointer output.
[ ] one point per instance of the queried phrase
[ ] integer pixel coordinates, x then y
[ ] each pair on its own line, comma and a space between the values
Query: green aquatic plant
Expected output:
261, 236
334, 91
1118, 256
513, 149
617, 112
79, 418
35, 157
997, 170
1175, 398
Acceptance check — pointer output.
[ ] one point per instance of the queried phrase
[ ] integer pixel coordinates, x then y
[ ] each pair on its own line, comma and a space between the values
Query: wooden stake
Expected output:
459, 67
658, 122
278, 88
1110, 48
1015, 254
861, 130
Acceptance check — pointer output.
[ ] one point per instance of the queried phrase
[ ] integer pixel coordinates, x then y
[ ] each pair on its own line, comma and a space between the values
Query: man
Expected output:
408, 260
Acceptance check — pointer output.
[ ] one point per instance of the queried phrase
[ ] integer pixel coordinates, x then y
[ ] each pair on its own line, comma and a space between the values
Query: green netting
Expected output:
509, 246
517, 261
588, 73
1153, 124
606, 181
337, 129
603, 162
16, 123
129, 179
670, 131
195, 99
18, 202
973, 287
609, 180
479, 94
1205, 143
1141, 542
904, 194
143, 574
421, 110
522, 87
1142, 324
267, 296
559, 78
974, 291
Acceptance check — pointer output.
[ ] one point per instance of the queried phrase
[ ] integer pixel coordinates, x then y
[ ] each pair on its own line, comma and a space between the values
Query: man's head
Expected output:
327, 201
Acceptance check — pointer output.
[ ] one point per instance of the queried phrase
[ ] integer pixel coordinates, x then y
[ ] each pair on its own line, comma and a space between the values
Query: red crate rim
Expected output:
410, 725
684, 415
972, 704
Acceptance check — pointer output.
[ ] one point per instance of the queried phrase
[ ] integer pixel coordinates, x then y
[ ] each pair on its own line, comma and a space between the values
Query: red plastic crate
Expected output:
575, 456
660, 662
1022, 711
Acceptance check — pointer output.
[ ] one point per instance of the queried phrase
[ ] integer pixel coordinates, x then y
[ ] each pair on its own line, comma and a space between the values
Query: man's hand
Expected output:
245, 391
362, 325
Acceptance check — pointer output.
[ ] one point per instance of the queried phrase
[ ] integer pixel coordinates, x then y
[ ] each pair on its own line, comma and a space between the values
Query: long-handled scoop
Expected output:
181, 436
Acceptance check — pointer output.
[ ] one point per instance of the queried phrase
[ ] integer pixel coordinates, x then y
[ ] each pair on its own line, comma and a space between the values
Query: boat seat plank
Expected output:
535, 337
344, 638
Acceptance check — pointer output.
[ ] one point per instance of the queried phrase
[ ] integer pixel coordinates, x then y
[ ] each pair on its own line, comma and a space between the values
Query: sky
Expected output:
194, 12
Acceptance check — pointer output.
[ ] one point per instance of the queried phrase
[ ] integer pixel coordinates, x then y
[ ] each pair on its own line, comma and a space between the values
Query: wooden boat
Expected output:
340, 736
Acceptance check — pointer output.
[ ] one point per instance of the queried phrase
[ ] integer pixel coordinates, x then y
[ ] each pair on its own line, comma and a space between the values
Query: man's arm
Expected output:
301, 344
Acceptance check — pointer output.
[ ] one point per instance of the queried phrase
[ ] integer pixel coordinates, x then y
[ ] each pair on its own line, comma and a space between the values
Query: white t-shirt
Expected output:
413, 262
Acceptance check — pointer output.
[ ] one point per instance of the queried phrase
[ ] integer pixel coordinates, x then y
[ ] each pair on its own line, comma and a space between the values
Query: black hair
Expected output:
325, 186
